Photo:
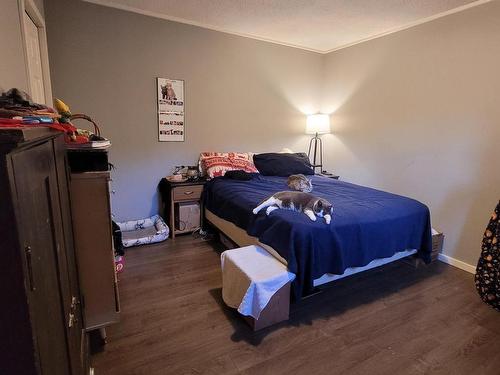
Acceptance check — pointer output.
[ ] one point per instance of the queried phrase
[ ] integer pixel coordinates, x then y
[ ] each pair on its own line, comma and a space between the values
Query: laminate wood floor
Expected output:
392, 320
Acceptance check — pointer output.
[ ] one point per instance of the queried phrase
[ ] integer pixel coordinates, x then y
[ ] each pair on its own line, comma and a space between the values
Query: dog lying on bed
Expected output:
298, 201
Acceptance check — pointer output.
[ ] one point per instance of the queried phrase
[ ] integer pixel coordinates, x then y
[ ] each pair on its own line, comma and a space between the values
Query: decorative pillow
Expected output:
276, 164
215, 164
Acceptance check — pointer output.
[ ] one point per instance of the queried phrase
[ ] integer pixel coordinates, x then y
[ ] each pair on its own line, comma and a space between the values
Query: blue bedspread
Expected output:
366, 224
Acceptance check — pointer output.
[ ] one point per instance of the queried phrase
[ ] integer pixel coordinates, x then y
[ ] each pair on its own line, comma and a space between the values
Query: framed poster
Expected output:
171, 126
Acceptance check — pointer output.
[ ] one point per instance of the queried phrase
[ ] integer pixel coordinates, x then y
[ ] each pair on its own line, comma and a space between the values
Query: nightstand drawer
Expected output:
187, 192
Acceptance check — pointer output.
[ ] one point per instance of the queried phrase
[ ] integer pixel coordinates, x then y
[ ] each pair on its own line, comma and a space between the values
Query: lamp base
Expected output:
318, 148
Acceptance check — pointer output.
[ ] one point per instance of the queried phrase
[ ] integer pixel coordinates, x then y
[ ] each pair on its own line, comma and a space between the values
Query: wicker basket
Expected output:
437, 245
81, 116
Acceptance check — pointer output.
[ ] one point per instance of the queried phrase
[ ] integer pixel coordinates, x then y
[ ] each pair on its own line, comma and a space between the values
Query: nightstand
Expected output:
175, 193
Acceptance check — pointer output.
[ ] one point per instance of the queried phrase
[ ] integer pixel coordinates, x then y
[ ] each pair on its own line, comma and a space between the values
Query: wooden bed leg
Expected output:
414, 261
315, 292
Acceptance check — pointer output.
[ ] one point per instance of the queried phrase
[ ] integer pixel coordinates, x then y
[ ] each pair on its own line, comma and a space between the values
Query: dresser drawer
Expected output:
187, 192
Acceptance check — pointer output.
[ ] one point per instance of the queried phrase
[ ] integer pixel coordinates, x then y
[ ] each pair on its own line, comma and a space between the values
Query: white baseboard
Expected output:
457, 263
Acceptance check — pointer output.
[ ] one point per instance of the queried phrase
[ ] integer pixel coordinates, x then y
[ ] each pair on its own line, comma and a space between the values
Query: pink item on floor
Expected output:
119, 263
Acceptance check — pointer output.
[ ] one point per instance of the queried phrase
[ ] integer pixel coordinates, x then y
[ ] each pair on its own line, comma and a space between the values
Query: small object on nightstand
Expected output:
185, 173
176, 178
193, 173
329, 175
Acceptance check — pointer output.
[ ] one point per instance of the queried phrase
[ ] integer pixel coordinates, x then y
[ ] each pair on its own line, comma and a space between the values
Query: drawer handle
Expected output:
188, 192
27, 249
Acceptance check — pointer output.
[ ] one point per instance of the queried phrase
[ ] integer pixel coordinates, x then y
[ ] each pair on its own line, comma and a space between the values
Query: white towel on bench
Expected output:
250, 277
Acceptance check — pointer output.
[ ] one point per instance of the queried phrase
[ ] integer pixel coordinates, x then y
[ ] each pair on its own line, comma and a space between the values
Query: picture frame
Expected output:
171, 115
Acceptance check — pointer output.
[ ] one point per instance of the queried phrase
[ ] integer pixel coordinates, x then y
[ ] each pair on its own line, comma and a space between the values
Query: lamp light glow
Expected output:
318, 124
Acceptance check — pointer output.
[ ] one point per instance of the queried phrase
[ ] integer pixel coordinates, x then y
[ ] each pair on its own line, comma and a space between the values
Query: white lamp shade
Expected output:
318, 123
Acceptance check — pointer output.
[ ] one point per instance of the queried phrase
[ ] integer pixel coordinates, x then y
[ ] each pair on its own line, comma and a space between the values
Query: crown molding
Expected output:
112, 4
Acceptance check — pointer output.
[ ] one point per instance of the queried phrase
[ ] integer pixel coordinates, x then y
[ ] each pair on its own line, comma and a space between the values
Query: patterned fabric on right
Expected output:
488, 268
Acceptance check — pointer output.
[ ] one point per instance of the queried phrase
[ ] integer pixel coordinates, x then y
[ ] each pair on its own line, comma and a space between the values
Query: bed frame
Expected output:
241, 238
278, 308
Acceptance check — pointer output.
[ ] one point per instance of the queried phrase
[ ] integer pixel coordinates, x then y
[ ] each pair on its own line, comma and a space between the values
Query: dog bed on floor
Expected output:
144, 231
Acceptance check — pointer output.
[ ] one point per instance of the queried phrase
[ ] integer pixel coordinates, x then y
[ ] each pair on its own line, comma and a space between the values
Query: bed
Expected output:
369, 227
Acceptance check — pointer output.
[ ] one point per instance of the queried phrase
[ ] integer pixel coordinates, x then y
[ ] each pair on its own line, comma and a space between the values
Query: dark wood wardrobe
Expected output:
40, 313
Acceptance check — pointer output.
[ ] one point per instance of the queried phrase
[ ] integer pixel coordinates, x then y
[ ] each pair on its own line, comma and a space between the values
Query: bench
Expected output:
257, 285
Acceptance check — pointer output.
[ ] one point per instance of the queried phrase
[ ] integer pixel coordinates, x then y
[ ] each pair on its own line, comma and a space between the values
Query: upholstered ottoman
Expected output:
257, 285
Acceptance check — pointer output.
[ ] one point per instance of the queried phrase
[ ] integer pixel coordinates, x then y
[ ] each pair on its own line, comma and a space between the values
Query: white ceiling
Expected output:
317, 25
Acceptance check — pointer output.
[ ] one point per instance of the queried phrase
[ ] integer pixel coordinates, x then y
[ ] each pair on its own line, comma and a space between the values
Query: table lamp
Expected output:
317, 124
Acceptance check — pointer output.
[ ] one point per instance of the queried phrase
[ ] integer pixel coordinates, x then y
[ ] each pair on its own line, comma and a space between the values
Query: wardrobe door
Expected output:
76, 337
37, 207
90, 208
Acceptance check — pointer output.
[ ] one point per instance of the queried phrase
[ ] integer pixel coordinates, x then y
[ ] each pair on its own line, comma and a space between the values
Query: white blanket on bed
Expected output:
250, 277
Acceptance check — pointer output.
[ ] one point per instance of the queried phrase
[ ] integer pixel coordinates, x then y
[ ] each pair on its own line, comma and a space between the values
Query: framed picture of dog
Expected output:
171, 125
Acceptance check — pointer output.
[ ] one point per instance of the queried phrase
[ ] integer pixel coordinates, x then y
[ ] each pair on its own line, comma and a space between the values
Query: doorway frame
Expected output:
29, 7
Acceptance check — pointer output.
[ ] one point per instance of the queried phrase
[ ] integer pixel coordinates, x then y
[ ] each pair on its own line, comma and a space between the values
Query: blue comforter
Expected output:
366, 224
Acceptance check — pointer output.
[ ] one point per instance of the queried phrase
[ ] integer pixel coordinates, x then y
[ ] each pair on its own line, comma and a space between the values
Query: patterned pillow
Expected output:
215, 164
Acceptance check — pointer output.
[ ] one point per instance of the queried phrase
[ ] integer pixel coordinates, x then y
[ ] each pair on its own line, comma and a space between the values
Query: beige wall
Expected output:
418, 113
241, 94
415, 112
